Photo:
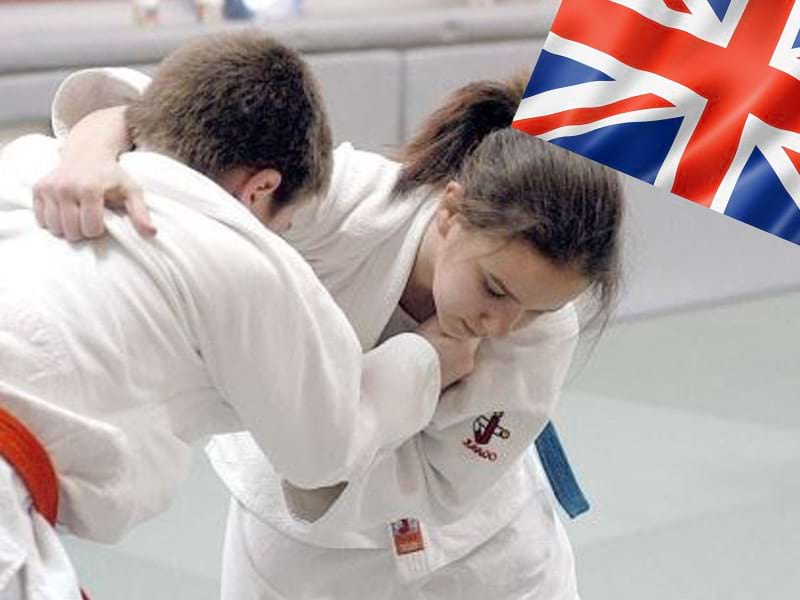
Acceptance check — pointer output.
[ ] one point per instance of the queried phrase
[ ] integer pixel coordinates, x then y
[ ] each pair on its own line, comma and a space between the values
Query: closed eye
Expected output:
494, 292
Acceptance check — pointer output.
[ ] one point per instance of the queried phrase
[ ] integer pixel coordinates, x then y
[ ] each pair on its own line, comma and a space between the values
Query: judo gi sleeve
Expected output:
481, 428
88, 90
398, 383
285, 357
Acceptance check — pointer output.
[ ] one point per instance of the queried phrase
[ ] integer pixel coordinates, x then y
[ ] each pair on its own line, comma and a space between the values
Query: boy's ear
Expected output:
258, 188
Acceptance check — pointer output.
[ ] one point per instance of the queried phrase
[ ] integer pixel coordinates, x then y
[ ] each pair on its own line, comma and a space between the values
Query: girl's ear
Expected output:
449, 210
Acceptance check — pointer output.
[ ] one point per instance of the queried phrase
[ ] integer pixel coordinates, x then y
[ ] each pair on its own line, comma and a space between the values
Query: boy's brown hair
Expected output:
238, 100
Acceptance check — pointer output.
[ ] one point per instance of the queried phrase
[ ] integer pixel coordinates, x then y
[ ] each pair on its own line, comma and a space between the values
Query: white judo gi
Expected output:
118, 353
466, 481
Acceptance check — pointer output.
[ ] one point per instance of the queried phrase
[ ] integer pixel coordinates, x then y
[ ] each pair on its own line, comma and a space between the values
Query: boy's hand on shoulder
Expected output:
69, 201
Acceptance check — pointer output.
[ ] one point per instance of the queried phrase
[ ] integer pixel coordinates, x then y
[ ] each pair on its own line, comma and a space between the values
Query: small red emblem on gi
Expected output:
407, 536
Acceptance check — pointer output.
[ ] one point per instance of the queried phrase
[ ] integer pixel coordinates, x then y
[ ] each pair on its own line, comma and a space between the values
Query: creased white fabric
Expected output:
361, 243
33, 562
118, 353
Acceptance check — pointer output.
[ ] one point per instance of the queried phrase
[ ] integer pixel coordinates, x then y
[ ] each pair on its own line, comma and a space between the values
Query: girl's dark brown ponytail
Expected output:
438, 151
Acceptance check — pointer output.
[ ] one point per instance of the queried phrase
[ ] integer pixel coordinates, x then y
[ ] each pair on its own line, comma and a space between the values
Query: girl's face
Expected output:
485, 286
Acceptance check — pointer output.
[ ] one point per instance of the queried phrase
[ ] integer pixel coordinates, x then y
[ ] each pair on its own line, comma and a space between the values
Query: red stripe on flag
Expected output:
582, 116
794, 157
709, 153
755, 89
736, 80
678, 5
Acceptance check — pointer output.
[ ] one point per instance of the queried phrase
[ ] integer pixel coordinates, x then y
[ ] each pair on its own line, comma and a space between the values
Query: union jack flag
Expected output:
699, 97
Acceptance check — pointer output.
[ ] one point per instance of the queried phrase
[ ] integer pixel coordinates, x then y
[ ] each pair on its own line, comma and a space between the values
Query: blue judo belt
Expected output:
562, 479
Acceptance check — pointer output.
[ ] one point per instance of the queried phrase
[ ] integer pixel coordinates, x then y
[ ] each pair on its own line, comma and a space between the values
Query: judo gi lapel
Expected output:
362, 240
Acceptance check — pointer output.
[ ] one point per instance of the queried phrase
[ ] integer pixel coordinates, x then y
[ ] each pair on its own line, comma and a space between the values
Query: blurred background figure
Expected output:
263, 9
145, 12
209, 11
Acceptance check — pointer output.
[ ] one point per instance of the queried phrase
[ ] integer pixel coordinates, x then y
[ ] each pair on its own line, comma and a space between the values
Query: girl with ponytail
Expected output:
513, 186
495, 234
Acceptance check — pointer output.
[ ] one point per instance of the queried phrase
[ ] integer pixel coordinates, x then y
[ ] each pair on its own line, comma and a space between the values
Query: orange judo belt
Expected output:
26, 455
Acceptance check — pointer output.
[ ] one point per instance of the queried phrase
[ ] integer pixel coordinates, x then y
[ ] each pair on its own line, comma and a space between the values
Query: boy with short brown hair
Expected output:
234, 101
116, 355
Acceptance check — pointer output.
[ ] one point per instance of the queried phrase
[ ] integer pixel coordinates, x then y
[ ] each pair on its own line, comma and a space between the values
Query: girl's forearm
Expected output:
101, 135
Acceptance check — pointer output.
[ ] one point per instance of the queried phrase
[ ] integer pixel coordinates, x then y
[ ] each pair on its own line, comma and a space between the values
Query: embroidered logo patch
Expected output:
407, 536
484, 428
